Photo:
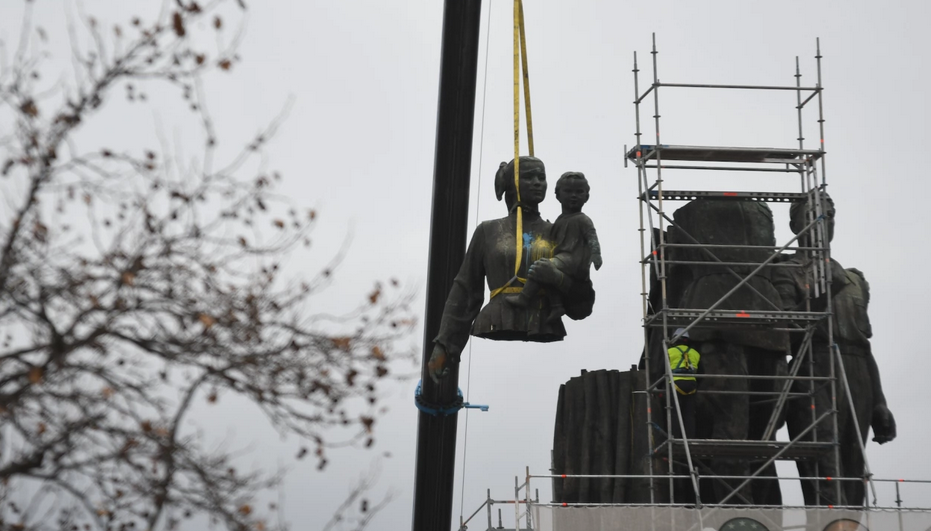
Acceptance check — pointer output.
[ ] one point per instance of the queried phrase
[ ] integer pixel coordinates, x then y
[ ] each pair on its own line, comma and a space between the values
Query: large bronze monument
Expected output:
851, 334
492, 258
698, 284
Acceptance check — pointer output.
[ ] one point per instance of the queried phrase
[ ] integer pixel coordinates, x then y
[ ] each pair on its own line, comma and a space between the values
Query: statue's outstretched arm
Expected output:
462, 307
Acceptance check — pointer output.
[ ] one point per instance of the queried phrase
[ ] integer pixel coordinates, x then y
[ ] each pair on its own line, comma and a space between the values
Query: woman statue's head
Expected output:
532, 183
798, 215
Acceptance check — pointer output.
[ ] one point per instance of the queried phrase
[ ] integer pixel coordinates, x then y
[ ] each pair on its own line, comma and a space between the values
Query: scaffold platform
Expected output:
764, 155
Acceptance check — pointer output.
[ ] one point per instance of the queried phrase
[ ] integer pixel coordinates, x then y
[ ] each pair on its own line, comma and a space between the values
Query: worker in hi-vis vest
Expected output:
683, 360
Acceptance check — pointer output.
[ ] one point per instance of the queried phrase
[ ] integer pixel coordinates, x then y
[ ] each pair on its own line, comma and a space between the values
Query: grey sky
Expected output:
358, 145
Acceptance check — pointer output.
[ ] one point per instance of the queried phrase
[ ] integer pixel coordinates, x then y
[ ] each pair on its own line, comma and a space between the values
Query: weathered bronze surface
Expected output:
851, 334
735, 350
576, 249
587, 423
724, 222
599, 430
491, 259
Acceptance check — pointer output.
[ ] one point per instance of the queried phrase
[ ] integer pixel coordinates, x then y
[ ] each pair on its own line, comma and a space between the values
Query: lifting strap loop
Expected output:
520, 224
507, 288
520, 60
520, 67
526, 70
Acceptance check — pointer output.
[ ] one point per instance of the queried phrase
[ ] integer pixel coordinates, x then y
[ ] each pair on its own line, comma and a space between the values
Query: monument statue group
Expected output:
746, 410
538, 272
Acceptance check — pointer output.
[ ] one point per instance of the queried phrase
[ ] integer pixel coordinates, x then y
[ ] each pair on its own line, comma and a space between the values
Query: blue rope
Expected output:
442, 411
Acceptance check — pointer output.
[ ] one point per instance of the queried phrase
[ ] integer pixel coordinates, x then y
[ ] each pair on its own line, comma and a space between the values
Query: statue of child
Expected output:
577, 246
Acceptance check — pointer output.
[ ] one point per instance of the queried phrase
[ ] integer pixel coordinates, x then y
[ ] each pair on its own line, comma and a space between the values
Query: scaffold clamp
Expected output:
442, 411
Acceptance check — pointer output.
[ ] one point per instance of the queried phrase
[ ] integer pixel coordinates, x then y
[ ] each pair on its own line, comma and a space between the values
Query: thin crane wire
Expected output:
478, 201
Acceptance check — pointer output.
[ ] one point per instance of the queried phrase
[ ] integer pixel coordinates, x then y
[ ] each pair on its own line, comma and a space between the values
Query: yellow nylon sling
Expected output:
520, 67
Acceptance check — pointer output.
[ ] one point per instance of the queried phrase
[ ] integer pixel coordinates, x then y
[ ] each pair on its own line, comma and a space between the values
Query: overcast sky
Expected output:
359, 141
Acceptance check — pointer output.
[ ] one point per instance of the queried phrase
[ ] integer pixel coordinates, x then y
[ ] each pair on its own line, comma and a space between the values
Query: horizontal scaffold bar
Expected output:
736, 246
689, 195
771, 377
649, 260
743, 393
748, 87
723, 154
794, 450
786, 169
703, 476
657, 84
678, 317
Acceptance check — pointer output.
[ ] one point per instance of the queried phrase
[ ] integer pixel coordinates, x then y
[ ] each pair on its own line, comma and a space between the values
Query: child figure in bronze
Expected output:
577, 246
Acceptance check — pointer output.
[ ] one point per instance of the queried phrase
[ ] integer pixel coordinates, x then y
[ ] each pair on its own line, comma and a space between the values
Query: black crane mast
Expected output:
436, 434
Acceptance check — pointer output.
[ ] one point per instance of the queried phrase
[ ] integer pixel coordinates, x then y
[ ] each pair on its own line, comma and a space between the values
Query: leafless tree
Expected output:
134, 286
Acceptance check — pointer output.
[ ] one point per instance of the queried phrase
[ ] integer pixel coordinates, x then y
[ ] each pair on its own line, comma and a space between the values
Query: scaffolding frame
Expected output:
653, 160
524, 503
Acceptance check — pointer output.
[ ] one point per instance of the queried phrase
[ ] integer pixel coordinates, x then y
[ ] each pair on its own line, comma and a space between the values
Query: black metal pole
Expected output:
436, 435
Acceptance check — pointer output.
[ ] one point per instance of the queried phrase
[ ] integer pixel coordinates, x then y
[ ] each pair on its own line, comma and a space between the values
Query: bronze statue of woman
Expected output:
491, 258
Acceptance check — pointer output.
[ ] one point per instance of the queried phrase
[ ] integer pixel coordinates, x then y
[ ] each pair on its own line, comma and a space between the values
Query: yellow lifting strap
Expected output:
526, 72
520, 67
507, 288
520, 71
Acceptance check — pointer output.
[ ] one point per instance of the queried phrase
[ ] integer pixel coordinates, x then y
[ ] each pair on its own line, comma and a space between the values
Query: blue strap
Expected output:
442, 411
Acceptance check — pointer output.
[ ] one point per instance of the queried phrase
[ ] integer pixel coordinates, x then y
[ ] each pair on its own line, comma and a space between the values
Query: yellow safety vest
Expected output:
683, 360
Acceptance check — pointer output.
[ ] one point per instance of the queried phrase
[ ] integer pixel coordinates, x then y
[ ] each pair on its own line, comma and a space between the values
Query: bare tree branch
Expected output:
134, 286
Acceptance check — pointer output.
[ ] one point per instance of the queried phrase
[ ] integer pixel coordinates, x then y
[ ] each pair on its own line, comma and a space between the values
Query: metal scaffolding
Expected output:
652, 161
527, 508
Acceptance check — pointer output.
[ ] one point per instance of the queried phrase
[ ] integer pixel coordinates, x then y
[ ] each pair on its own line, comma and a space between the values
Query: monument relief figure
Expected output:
735, 350
576, 241
492, 258
852, 332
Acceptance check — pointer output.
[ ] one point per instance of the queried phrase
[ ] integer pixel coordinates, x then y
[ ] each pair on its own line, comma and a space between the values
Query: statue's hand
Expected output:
596, 259
544, 272
438, 367
883, 424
